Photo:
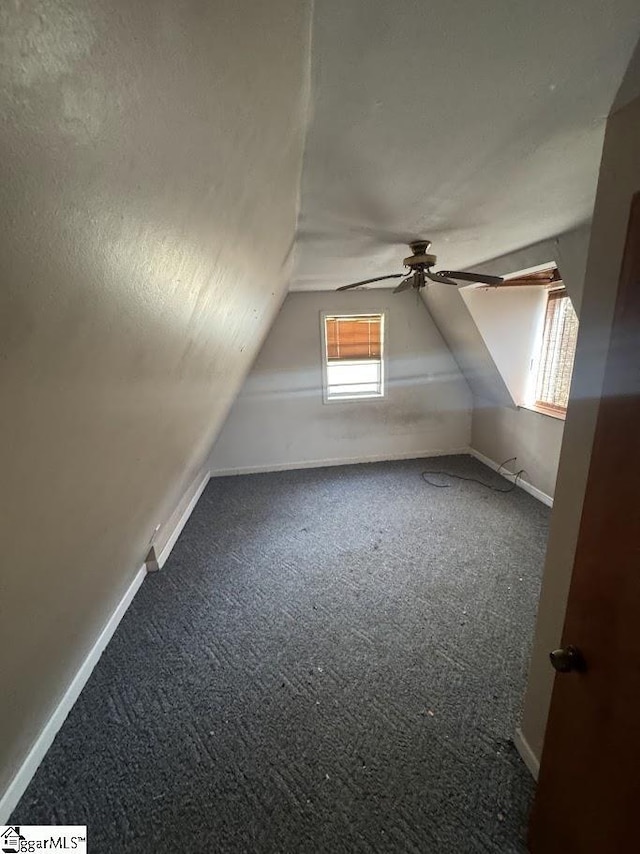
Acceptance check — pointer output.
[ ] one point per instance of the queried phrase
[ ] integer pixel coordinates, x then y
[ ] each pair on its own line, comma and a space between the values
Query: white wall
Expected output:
619, 181
500, 430
454, 321
509, 321
150, 165
279, 419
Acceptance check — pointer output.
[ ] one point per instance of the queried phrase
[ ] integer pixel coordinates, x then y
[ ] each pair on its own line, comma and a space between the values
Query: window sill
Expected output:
354, 398
542, 410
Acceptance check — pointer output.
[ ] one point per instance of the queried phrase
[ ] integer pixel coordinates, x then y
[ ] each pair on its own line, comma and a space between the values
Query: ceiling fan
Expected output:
419, 264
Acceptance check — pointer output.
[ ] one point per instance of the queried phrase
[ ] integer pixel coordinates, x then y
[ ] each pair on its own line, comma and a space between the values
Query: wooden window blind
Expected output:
354, 338
558, 351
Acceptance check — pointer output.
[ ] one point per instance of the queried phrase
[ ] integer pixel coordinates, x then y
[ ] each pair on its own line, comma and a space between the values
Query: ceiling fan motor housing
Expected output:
420, 259
420, 256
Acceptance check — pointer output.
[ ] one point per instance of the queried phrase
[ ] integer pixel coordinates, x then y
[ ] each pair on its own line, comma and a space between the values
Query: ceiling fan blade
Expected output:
368, 281
440, 279
472, 277
404, 285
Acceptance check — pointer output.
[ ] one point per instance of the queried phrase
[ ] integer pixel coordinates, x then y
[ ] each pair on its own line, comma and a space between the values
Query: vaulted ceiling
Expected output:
477, 125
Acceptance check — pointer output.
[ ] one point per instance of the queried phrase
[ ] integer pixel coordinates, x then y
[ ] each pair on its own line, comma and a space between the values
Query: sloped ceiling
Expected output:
477, 125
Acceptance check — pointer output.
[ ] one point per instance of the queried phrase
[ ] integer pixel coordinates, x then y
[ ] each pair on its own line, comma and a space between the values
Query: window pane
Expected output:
558, 351
353, 378
346, 372
353, 336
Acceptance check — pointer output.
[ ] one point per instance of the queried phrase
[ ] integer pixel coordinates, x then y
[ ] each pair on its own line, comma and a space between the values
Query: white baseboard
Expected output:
338, 461
523, 484
182, 521
376, 458
43, 742
526, 753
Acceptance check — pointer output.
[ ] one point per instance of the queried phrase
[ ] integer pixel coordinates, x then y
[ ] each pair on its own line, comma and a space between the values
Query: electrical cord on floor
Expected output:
474, 479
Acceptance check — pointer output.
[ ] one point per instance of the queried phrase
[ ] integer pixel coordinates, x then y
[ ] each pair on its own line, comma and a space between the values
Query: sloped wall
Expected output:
279, 419
501, 430
453, 319
150, 163
510, 321
536, 439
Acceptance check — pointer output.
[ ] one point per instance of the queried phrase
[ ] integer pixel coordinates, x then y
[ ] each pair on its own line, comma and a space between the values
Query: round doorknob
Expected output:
567, 660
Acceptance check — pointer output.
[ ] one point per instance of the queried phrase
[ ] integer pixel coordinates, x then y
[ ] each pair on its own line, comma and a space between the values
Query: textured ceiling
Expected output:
478, 125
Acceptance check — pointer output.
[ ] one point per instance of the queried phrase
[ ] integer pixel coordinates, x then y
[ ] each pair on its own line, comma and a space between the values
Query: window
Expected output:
353, 356
556, 356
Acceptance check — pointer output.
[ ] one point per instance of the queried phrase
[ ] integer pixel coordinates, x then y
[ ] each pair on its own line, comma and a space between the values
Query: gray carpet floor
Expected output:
332, 660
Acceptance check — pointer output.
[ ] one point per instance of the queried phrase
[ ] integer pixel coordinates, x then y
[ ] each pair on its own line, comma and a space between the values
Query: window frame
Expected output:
552, 410
371, 398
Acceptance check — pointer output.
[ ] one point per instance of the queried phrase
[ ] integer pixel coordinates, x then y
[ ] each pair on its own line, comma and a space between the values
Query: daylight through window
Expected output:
353, 356
558, 350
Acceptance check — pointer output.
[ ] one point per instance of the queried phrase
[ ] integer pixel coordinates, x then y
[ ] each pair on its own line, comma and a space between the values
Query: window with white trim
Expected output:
555, 363
353, 356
